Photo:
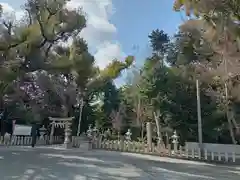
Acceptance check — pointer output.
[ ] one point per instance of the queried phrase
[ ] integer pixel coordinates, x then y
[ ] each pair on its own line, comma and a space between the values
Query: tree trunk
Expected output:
142, 130
230, 125
1, 119
156, 118
224, 58
80, 116
138, 111
234, 122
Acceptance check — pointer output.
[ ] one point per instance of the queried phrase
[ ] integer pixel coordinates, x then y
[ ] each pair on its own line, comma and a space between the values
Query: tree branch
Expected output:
29, 17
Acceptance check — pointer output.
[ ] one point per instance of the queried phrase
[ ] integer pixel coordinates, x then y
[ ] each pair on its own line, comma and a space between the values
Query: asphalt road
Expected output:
58, 164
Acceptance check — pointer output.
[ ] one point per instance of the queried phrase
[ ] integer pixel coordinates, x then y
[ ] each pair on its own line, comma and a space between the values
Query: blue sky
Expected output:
13, 3
135, 19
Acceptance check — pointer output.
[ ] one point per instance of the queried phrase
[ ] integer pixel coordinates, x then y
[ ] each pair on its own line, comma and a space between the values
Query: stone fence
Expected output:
182, 152
229, 148
45, 140
27, 140
190, 151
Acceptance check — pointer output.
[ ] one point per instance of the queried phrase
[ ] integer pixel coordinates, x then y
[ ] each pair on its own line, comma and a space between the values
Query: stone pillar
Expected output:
149, 135
175, 141
52, 132
167, 139
68, 132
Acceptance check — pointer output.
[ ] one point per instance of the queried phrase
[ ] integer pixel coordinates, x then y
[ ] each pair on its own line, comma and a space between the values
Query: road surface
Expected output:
59, 164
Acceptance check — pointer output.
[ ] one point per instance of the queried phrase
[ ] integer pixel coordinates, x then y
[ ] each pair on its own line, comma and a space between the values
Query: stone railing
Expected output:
76, 141
160, 150
27, 140
211, 147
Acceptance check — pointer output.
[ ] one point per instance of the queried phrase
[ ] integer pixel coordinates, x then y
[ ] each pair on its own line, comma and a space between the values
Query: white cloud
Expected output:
99, 33
6, 7
106, 52
9, 14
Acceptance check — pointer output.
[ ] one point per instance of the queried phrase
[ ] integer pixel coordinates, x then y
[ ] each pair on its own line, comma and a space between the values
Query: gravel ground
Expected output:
58, 164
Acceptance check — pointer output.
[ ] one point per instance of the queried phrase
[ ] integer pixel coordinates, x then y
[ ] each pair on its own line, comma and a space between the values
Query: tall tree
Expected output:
37, 56
111, 101
217, 25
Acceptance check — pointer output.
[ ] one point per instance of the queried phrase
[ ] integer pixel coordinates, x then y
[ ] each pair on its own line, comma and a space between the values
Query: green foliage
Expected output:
159, 39
43, 72
171, 90
111, 100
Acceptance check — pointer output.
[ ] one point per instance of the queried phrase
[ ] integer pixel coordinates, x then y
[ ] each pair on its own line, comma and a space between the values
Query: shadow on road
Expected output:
49, 164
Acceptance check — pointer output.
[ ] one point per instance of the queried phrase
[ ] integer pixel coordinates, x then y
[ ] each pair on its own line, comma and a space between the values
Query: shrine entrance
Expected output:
62, 123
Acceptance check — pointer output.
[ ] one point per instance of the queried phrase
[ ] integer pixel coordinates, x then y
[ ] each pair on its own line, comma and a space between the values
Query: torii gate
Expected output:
64, 123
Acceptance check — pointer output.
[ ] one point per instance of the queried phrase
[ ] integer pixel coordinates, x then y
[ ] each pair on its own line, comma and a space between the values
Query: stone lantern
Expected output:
95, 132
128, 135
89, 131
42, 132
175, 142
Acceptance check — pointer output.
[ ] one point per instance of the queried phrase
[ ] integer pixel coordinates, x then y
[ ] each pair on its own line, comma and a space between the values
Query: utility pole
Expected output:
80, 116
200, 140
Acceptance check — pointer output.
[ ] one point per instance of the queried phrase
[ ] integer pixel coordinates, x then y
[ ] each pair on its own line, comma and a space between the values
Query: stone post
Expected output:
52, 132
159, 143
128, 135
95, 134
149, 135
42, 132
